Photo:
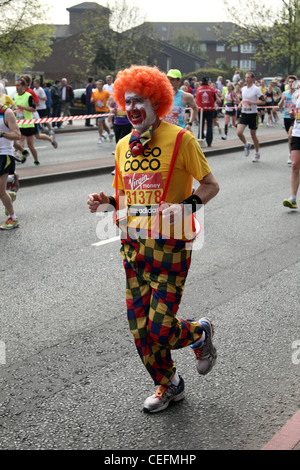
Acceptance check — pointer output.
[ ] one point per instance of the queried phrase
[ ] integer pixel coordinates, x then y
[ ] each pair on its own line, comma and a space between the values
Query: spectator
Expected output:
206, 97
67, 96
47, 90
89, 104
56, 102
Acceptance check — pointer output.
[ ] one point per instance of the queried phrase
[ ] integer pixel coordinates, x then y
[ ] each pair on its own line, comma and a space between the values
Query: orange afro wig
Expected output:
148, 82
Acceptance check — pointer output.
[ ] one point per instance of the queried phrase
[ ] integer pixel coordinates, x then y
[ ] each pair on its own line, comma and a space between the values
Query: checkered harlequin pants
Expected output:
155, 278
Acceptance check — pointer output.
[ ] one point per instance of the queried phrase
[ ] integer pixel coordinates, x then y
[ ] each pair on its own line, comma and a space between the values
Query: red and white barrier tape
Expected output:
64, 118
89, 116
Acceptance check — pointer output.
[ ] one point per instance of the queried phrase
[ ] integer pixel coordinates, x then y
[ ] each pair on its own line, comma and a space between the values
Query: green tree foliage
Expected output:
188, 39
274, 31
23, 39
107, 44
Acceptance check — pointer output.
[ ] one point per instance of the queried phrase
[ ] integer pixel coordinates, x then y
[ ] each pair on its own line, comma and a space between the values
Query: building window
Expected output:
248, 48
234, 48
169, 63
248, 64
234, 63
220, 48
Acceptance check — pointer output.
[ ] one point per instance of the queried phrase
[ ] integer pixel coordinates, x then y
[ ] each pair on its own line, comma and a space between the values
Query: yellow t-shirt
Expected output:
143, 177
6, 100
100, 99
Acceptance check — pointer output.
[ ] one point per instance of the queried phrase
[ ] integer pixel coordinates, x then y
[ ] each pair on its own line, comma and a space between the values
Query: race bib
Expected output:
173, 116
246, 106
143, 189
20, 114
289, 106
298, 115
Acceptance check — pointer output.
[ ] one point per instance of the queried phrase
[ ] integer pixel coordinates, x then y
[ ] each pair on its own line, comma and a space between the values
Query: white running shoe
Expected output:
206, 354
163, 396
53, 141
247, 149
224, 137
100, 140
256, 157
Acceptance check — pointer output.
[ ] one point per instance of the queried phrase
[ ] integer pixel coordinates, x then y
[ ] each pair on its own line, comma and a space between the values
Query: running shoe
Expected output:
111, 136
256, 157
206, 354
224, 137
36, 163
14, 187
290, 161
291, 203
18, 156
25, 154
247, 149
53, 141
9, 224
163, 396
13, 197
100, 140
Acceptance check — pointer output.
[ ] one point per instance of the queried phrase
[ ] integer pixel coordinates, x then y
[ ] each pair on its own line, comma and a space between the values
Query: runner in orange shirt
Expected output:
99, 98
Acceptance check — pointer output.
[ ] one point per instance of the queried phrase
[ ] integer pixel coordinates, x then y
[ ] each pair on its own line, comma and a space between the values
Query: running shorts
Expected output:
7, 165
250, 120
288, 122
295, 143
27, 131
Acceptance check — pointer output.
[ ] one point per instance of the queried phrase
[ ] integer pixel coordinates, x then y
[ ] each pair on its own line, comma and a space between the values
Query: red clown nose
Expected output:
137, 149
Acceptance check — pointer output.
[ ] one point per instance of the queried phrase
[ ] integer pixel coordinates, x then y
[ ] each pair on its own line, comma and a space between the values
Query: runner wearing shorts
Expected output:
251, 98
295, 150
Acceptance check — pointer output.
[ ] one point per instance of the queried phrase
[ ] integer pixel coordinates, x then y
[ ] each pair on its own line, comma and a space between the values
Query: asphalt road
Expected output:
72, 378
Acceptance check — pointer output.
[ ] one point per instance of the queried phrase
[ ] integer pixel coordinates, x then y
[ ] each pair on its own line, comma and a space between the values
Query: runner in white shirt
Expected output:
295, 150
251, 98
109, 86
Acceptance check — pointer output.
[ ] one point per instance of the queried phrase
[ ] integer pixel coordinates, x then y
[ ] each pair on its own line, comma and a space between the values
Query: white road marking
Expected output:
105, 242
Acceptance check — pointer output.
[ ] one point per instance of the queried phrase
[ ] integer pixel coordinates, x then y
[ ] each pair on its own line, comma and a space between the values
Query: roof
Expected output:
206, 31
86, 6
62, 31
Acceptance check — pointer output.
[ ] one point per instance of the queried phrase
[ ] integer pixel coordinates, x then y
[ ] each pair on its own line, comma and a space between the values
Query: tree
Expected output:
23, 39
188, 39
108, 43
275, 33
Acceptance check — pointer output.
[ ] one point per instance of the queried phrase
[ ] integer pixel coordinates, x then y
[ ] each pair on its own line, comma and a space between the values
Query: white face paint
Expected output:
139, 111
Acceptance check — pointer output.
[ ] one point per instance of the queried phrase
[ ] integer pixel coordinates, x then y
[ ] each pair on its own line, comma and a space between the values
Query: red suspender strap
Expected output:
172, 164
171, 168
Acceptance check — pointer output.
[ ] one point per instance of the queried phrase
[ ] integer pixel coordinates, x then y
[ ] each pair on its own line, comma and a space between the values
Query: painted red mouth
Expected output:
136, 117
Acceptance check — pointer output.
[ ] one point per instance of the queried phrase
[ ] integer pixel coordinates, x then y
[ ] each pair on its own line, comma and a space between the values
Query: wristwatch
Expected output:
2, 134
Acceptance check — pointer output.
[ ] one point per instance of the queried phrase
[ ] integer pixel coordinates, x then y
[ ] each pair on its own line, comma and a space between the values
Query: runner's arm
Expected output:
11, 123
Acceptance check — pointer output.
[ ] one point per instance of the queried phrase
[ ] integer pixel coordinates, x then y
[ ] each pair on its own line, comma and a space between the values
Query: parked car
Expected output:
78, 106
268, 80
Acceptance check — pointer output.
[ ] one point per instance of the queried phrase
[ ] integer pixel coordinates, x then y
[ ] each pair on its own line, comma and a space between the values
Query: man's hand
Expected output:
173, 213
98, 202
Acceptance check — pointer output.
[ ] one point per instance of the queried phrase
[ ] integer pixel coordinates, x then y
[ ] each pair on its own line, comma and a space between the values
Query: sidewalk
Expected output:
61, 171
